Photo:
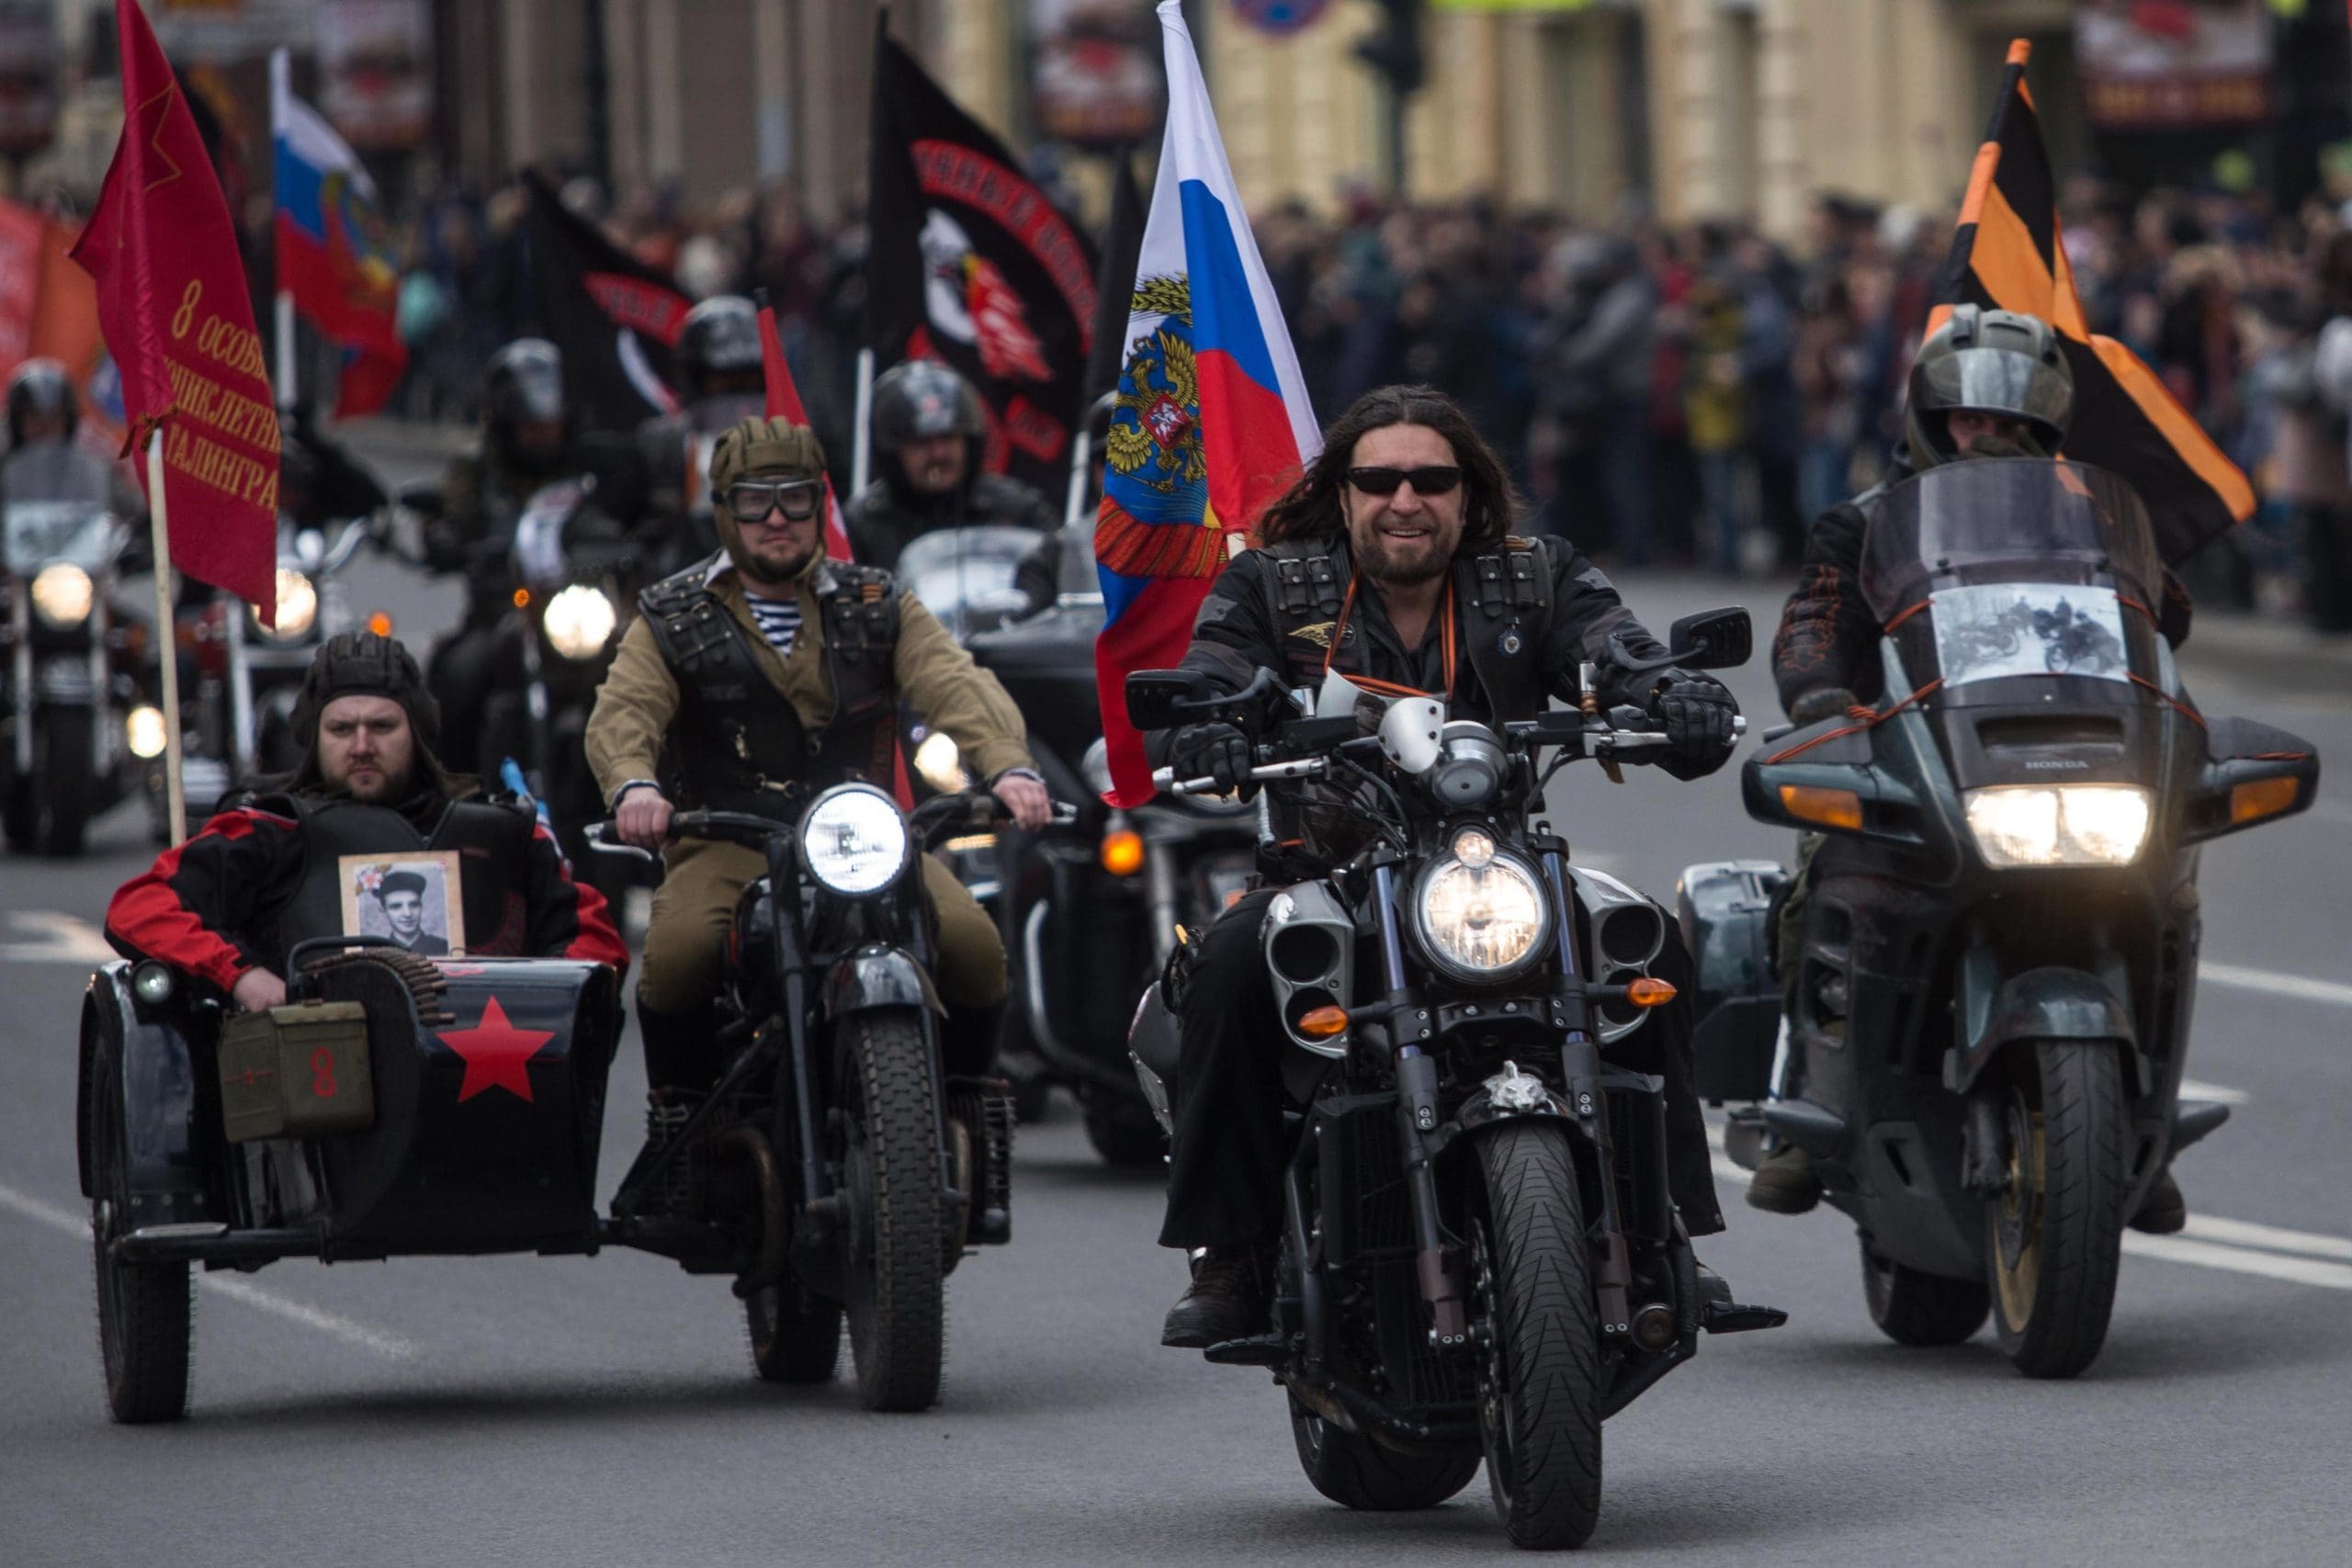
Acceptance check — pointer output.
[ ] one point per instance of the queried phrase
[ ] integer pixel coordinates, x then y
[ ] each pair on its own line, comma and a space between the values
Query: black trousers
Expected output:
1231, 1149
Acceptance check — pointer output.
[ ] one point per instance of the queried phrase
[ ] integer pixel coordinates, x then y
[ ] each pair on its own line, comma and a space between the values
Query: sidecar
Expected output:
396, 1107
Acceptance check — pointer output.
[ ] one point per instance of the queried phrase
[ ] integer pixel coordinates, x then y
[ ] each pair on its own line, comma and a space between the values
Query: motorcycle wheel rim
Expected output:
2017, 1221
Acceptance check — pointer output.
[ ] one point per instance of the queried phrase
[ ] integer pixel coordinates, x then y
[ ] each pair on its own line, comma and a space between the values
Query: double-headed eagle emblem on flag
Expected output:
1158, 521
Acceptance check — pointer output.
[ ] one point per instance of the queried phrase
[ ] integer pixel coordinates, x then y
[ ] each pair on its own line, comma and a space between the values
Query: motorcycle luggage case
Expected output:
1726, 909
490, 1100
299, 1071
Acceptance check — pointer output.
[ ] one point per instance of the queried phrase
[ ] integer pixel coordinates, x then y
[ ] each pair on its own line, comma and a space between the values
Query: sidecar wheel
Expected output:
1357, 1472
2056, 1237
796, 1336
1913, 1308
1540, 1388
146, 1311
896, 1210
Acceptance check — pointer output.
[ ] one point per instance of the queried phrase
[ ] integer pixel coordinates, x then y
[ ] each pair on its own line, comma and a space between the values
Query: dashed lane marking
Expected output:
2222, 1094
49, 936
351, 1331
2271, 981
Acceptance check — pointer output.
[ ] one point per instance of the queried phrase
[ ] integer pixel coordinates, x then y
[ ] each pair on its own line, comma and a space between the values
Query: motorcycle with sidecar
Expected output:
400, 1105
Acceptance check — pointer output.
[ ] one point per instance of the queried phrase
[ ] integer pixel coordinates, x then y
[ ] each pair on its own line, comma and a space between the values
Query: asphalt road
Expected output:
602, 1411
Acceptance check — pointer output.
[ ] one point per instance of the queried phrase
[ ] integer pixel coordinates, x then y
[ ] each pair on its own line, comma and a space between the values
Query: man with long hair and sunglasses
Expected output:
751, 682
1388, 563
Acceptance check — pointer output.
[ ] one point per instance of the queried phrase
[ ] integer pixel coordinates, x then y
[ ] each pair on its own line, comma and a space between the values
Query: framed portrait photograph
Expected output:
413, 898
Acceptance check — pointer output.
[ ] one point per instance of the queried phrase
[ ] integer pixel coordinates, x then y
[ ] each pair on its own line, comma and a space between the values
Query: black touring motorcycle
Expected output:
399, 1105
1481, 1260
1992, 1008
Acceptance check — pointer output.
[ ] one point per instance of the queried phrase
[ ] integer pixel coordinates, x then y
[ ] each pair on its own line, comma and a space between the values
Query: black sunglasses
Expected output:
749, 500
1435, 481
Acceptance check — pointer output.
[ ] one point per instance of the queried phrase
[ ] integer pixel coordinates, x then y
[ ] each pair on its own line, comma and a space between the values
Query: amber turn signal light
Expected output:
522, 598
1829, 807
1122, 852
2257, 798
1649, 993
1324, 1023
380, 623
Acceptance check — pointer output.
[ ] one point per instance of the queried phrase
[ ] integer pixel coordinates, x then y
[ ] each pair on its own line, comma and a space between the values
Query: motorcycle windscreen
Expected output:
2010, 567
58, 501
965, 576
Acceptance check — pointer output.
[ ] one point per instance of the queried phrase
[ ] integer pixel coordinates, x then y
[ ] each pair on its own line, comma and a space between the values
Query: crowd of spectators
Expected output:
1674, 397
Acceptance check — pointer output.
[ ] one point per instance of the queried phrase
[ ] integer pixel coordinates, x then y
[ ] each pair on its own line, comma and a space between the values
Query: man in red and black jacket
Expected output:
227, 906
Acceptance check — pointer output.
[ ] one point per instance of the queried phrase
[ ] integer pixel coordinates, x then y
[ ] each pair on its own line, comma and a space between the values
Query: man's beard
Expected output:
774, 570
1380, 564
384, 788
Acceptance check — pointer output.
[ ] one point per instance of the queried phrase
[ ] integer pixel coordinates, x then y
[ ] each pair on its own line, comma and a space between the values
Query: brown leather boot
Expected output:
1227, 1300
1785, 1182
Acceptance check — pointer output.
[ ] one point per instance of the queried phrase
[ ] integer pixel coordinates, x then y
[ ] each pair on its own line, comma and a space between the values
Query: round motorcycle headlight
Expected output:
853, 840
1482, 919
579, 621
940, 764
64, 595
297, 607
143, 732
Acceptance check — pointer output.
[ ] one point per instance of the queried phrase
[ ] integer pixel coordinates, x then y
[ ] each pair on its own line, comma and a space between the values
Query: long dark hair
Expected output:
1310, 508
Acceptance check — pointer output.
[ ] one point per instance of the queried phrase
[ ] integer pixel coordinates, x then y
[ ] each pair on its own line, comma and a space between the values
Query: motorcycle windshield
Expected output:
2024, 566
965, 576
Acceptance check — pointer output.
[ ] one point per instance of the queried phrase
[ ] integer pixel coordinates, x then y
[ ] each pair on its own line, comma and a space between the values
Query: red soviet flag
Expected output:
179, 321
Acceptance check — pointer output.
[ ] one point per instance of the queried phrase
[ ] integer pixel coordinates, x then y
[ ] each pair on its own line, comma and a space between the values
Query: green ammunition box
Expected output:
299, 1071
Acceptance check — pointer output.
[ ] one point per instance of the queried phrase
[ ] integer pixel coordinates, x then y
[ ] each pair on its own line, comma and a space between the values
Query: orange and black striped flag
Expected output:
2009, 254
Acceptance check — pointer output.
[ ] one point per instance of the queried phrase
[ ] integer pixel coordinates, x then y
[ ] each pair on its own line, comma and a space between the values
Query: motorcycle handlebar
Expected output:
1542, 731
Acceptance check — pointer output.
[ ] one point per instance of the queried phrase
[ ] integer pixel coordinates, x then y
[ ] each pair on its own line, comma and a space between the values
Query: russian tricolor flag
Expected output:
334, 258
1212, 421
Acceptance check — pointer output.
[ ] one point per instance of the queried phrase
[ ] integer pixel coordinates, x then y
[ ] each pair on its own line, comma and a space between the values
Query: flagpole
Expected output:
281, 87
1081, 453
861, 462
167, 645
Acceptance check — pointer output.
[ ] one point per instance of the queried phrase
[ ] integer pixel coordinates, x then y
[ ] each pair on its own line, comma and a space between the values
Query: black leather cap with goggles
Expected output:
750, 501
1436, 480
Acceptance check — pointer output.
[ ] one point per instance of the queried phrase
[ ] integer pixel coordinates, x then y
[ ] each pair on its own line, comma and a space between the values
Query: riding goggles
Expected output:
749, 500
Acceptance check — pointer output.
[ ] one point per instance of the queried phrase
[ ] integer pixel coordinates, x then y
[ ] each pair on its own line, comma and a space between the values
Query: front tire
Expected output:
1540, 1391
796, 1336
1357, 1472
2055, 1234
896, 1210
1913, 1308
146, 1311
66, 784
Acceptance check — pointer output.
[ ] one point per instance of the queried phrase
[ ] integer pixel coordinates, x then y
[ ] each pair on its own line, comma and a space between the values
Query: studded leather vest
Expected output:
737, 743
344, 844
1503, 597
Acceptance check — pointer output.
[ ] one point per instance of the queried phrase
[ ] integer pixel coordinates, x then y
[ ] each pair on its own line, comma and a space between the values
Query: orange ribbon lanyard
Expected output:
1386, 688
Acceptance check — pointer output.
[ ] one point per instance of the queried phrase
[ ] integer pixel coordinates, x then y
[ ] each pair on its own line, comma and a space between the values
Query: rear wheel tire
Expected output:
796, 1336
146, 1311
896, 1211
1540, 1391
2055, 1235
1913, 1308
1357, 1472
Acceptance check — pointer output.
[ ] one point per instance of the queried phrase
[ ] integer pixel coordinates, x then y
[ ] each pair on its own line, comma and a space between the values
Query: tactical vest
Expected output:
737, 743
1503, 597
492, 839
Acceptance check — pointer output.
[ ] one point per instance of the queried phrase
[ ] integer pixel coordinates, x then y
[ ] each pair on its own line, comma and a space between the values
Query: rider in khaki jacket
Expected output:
752, 681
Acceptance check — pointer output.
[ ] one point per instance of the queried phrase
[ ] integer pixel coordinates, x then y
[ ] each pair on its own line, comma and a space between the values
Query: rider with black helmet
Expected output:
1986, 384
721, 381
43, 412
929, 435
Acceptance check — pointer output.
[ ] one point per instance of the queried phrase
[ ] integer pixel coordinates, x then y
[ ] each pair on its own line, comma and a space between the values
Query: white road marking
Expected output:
2239, 1260
2332, 992
351, 1331
2245, 1232
47, 936
2198, 1088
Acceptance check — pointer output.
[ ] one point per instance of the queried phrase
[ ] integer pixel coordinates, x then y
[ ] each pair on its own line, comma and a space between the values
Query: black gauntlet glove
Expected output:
1696, 711
1218, 750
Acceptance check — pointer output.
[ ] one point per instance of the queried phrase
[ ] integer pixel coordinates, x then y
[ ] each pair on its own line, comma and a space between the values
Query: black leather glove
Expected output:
1696, 711
1826, 702
1218, 750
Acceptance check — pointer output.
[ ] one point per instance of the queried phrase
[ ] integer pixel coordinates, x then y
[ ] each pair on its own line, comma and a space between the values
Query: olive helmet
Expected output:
1996, 362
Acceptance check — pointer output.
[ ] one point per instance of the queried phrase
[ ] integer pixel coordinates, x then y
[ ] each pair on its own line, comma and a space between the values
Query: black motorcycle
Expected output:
1090, 908
70, 675
1481, 1260
836, 1152
2000, 935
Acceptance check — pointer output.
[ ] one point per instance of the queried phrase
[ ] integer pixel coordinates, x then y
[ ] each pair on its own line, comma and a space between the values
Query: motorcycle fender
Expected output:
1153, 1047
871, 978
2040, 1004
146, 1060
